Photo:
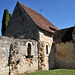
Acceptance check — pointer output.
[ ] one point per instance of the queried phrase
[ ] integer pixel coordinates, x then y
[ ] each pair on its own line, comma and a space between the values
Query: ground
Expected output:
54, 72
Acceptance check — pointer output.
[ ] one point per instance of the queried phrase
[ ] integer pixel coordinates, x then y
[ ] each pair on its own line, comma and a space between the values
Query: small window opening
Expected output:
29, 50
46, 49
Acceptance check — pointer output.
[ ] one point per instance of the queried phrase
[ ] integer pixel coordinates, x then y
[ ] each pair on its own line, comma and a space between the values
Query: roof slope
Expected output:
63, 35
39, 20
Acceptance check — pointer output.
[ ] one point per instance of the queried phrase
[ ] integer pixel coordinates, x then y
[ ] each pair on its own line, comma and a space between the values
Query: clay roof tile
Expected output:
63, 35
39, 20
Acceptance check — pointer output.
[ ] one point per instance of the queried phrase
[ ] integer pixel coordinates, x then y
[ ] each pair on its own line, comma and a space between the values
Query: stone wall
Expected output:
65, 55
45, 39
28, 64
14, 56
52, 58
4, 55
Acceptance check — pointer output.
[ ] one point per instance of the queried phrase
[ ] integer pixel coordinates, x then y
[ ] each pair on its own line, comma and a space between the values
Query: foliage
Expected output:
5, 20
21, 36
54, 72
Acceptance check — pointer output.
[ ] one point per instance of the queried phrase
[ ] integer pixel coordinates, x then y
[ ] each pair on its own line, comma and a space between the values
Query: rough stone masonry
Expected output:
31, 43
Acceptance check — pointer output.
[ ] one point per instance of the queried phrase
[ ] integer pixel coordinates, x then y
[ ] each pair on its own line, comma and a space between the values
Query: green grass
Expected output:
54, 72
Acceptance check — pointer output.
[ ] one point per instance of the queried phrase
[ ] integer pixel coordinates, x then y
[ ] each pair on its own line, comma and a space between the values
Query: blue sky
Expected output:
60, 12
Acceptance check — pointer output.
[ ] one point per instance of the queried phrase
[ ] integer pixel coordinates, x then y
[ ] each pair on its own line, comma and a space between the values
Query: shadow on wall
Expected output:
52, 58
13, 61
67, 35
10, 56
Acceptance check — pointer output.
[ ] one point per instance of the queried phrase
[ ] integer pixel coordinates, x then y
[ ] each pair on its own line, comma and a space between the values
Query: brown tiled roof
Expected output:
39, 20
63, 35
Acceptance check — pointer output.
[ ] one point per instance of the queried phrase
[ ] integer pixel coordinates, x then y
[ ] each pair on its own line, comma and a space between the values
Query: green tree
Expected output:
5, 20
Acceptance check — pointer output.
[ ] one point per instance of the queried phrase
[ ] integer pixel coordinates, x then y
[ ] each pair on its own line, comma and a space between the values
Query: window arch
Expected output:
29, 50
46, 49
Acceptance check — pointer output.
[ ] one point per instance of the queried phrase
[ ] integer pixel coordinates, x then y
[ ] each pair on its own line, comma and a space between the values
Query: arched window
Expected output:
29, 50
46, 49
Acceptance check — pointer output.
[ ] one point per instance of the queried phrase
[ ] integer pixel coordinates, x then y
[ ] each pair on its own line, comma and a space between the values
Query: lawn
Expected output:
54, 72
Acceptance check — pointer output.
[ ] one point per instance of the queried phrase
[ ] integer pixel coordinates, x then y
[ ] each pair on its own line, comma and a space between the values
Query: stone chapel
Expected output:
31, 42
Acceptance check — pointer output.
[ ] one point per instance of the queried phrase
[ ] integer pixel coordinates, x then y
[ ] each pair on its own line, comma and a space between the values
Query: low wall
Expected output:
65, 55
13, 56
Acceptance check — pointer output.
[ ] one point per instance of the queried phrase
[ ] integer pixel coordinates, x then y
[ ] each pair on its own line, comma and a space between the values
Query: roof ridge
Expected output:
38, 19
65, 28
30, 8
